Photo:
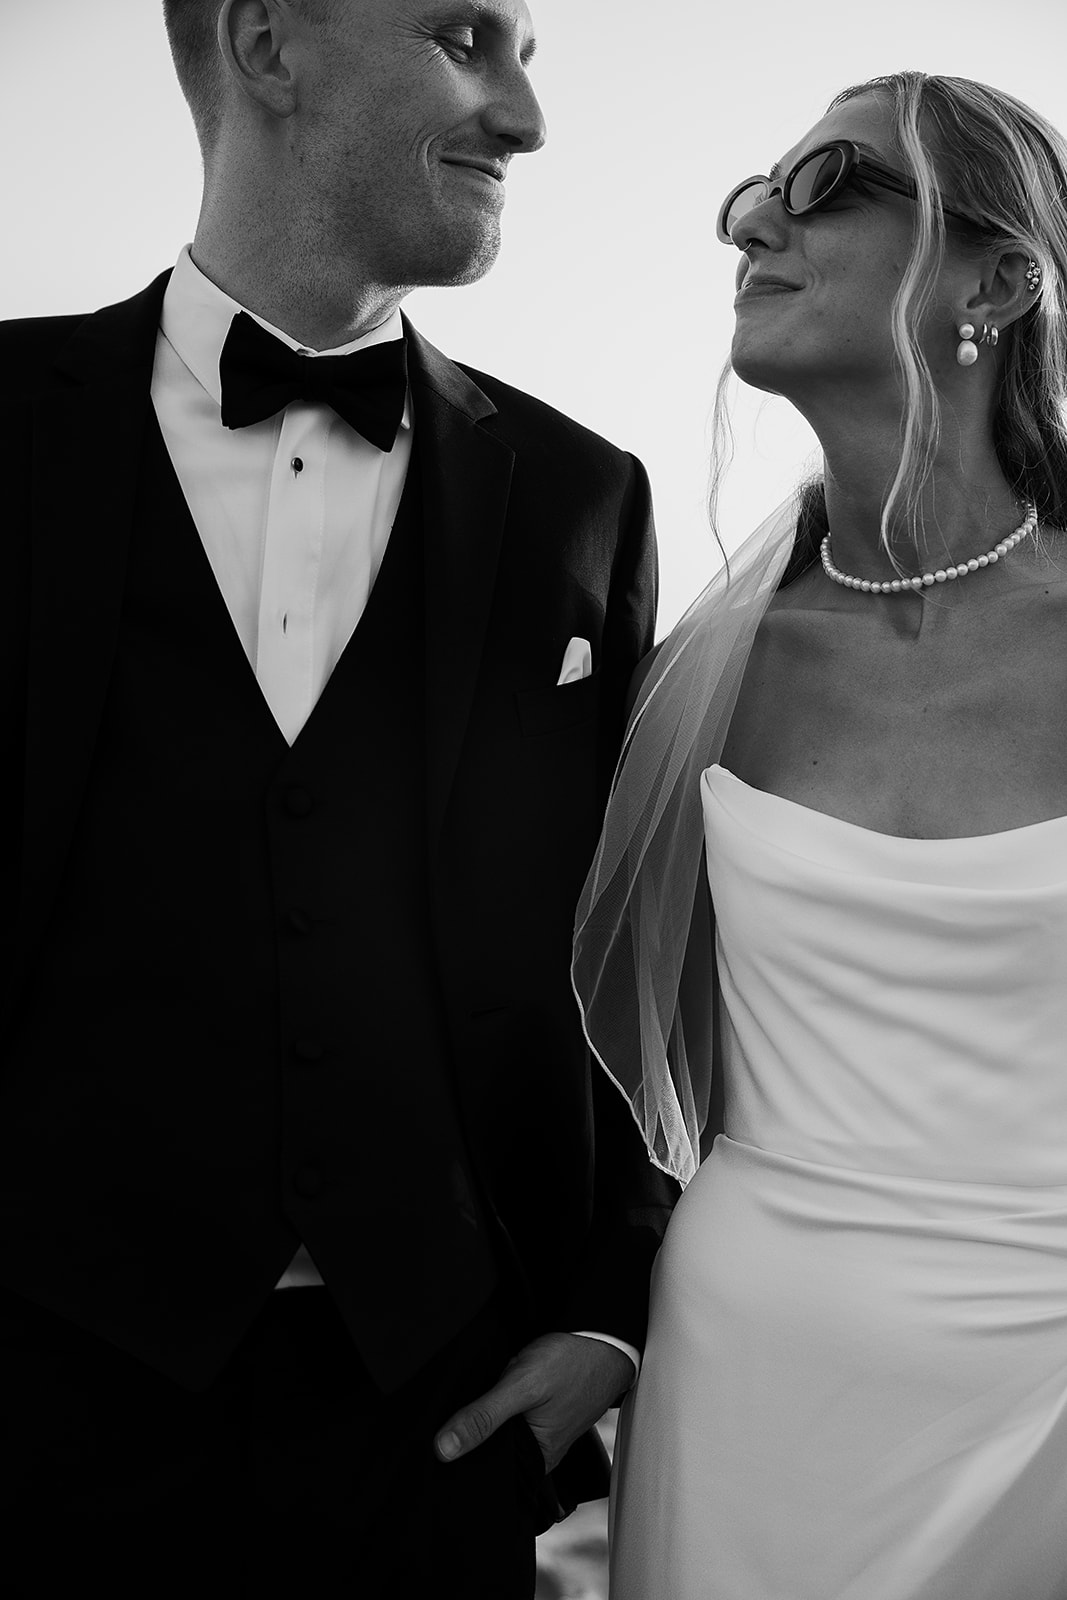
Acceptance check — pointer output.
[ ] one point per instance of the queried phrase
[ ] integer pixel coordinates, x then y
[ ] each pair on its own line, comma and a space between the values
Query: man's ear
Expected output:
1003, 294
255, 39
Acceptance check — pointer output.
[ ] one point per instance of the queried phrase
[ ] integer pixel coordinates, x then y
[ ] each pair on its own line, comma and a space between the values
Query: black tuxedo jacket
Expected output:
535, 531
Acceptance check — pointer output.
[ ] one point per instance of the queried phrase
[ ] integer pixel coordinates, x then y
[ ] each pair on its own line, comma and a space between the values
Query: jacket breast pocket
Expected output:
565, 706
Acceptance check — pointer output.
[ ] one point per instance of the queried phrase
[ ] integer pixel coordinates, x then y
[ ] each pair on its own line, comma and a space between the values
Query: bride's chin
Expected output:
763, 374
757, 361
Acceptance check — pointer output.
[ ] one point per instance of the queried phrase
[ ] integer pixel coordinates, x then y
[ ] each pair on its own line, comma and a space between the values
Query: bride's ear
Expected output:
1006, 291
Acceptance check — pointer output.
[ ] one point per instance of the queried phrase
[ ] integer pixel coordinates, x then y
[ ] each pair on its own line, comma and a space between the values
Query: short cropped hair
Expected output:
191, 31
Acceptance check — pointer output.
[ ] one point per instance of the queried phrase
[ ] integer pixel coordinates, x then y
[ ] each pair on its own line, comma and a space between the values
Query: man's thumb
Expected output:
472, 1426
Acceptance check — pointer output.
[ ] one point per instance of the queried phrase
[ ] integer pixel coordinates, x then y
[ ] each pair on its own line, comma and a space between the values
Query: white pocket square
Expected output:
577, 662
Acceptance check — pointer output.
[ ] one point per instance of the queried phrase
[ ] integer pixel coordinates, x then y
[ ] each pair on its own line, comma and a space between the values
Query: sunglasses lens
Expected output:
813, 180
742, 201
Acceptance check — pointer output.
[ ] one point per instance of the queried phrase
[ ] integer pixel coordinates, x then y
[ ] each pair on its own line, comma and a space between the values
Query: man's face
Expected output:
408, 113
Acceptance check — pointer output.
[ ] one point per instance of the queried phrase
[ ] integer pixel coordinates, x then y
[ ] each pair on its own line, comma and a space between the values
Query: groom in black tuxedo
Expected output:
322, 1244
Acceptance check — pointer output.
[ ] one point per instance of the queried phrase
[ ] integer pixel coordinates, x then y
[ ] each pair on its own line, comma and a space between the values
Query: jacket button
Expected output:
309, 1050
298, 921
297, 801
307, 1183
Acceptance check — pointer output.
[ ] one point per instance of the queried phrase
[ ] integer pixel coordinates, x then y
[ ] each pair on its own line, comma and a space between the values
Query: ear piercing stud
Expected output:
967, 349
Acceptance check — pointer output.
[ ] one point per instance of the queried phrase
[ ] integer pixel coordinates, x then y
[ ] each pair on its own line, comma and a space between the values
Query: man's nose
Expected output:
514, 115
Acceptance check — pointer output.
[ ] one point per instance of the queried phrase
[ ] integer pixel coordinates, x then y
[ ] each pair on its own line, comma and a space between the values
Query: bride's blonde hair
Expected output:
1002, 163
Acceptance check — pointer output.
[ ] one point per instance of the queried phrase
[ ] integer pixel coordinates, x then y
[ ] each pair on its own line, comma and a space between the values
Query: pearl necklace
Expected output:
924, 581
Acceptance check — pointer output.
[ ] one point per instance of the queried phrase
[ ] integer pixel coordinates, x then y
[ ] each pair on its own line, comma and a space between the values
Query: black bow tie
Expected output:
261, 376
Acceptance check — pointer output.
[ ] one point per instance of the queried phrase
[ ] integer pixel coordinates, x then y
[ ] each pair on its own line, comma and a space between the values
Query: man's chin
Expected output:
473, 262
454, 262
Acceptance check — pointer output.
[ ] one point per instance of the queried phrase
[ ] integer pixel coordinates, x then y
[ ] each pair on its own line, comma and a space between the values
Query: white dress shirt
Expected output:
294, 513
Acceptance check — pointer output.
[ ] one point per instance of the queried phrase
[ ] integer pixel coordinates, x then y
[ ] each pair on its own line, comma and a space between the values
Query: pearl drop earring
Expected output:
966, 350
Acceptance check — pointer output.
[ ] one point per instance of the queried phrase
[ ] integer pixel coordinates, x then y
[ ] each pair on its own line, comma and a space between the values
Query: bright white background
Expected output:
612, 297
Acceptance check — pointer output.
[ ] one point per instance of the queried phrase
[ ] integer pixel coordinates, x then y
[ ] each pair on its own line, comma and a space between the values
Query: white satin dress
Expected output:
855, 1381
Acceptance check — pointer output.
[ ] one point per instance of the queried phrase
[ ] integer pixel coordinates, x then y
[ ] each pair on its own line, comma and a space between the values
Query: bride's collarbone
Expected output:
974, 653
946, 619
961, 732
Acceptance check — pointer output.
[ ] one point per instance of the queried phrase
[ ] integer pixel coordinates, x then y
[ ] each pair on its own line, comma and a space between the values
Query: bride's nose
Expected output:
766, 224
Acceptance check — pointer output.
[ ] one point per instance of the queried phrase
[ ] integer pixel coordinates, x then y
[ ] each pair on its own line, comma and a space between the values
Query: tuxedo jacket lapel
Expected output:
466, 479
88, 431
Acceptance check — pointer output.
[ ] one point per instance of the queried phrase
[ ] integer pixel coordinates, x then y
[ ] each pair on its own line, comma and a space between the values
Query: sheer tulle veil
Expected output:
643, 946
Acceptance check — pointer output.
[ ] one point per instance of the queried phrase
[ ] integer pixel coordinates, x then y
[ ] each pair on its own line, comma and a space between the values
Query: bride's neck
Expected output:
966, 507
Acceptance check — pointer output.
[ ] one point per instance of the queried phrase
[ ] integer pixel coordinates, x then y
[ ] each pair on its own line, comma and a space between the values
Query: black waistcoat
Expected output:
234, 1039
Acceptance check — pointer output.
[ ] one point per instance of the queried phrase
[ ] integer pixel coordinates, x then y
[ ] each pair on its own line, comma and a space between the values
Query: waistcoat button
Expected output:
297, 801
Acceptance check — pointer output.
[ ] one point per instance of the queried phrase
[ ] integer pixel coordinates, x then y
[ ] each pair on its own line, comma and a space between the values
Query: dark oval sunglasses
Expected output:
813, 182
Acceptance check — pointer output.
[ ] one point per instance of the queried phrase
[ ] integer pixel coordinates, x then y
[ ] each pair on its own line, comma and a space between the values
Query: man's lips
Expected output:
491, 168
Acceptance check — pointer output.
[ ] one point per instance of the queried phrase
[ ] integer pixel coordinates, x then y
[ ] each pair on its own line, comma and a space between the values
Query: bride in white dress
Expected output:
855, 1380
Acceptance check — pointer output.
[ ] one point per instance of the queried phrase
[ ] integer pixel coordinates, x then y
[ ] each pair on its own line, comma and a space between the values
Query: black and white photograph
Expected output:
535, 678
